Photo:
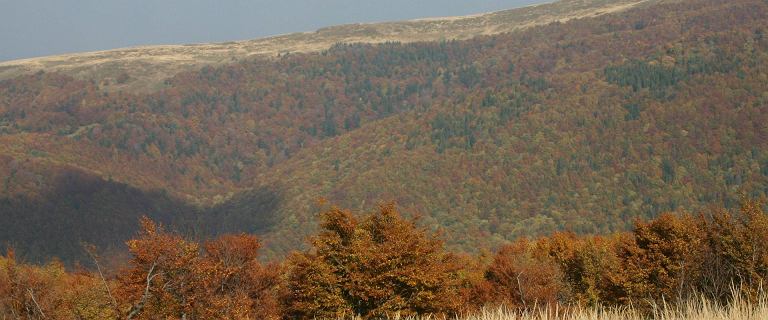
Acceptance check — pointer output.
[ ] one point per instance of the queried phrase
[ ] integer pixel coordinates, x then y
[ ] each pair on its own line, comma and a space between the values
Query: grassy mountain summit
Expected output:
582, 123
146, 68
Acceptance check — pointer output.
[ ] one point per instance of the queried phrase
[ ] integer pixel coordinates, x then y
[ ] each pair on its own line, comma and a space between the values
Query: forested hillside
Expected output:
379, 265
583, 125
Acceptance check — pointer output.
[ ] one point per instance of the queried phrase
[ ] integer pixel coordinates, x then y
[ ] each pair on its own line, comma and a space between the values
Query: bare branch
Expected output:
520, 288
92, 252
32, 294
135, 310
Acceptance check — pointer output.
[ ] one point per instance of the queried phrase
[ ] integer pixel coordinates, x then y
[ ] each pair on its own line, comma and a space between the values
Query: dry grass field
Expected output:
701, 309
145, 68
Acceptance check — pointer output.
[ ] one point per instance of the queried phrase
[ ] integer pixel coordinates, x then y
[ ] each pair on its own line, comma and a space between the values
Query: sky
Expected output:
32, 28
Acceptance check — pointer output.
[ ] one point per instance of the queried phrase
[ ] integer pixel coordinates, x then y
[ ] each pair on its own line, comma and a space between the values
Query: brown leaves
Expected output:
380, 264
236, 281
49, 292
169, 277
673, 257
661, 262
736, 251
665, 260
375, 267
521, 276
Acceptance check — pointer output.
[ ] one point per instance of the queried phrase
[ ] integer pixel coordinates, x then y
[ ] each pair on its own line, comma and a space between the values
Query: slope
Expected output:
145, 68
599, 122
583, 125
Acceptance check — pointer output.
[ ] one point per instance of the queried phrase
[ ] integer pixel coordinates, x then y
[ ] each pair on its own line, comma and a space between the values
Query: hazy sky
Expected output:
30, 28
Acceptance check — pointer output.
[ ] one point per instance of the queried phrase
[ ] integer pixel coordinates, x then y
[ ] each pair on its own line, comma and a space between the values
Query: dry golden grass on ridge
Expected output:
701, 309
143, 69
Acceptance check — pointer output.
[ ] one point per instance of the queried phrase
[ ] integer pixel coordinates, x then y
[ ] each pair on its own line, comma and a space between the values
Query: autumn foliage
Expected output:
569, 150
170, 277
520, 276
376, 266
50, 292
582, 125
381, 264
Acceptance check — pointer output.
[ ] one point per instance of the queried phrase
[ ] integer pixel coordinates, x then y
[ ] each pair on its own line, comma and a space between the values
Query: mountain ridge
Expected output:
144, 68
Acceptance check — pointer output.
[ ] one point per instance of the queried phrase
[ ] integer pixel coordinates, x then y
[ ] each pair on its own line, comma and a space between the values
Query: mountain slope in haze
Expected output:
146, 68
601, 121
583, 125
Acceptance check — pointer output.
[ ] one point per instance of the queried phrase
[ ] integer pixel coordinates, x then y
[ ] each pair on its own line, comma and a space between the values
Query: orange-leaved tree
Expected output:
238, 285
168, 277
160, 281
49, 292
661, 263
589, 265
377, 266
736, 252
522, 275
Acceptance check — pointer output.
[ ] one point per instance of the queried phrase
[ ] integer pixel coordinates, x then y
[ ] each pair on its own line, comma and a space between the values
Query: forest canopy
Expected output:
380, 264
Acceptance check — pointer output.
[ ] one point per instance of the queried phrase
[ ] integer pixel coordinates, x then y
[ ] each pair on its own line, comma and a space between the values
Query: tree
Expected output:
49, 292
169, 278
374, 267
661, 262
160, 281
521, 276
590, 267
237, 285
736, 251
